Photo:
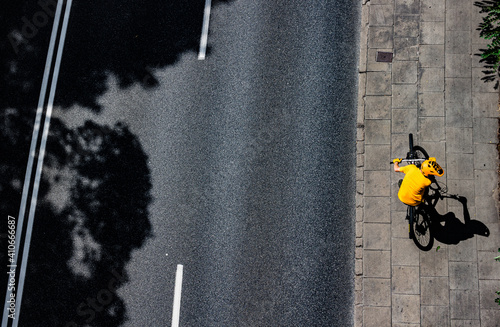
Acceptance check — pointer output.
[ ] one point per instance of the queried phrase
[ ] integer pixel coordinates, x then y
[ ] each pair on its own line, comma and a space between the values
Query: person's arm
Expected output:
396, 164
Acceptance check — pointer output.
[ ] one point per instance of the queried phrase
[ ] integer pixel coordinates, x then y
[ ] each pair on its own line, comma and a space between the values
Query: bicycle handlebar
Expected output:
410, 160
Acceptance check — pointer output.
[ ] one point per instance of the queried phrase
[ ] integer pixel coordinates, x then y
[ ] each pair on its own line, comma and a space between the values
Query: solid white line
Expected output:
176, 311
34, 139
39, 166
204, 31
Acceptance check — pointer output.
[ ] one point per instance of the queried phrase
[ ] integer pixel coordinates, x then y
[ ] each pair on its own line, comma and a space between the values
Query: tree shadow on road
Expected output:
95, 189
126, 39
82, 242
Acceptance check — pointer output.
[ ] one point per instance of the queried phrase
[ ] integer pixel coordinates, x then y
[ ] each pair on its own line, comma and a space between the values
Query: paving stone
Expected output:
462, 187
464, 304
382, 2
431, 80
437, 150
431, 129
464, 251
404, 252
404, 120
458, 90
477, 18
490, 318
399, 146
380, 37
434, 263
432, 32
377, 292
434, 291
479, 85
458, 19
408, 7
376, 236
458, 42
377, 263
406, 48
404, 72
465, 323
485, 182
378, 83
476, 59
486, 156
457, 4
404, 96
459, 140
487, 295
378, 107
431, 55
488, 267
458, 115
406, 26
486, 209
399, 225
405, 280
431, 104
372, 65
377, 157
460, 166
463, 275
432, 10
377, 317
485, 130
381, 15
377, 209
406, 308
377, 131
377, 183
432, 316
458, 65
490, 243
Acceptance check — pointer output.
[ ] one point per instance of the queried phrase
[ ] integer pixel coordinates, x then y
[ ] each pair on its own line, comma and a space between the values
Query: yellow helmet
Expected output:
431, 167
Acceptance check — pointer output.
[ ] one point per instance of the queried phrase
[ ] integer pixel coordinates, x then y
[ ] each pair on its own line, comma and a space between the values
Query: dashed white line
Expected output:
204, 30
176, 311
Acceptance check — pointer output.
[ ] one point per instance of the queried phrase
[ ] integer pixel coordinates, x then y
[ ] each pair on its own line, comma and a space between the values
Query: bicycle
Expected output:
419, 223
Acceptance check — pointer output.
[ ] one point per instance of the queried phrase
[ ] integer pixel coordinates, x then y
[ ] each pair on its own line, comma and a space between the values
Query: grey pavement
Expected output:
433, 89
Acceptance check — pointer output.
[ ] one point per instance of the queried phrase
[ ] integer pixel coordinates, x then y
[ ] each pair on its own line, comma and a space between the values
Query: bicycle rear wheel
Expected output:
420, 229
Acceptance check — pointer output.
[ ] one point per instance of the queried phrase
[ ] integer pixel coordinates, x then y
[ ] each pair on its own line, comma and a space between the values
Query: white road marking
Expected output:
204, 31
176, 311
43, 144
34, 140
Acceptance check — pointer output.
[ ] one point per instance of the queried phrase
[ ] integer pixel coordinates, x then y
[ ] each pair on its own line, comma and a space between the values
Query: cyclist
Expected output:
416, 180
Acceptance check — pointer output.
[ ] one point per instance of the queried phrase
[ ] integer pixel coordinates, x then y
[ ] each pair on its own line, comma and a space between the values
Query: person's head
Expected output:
431, 167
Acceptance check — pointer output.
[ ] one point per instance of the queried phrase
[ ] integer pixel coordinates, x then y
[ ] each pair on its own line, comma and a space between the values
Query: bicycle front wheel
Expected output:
420, 229
419, 153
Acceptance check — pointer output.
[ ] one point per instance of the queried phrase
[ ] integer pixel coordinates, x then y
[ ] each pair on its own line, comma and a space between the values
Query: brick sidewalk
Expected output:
433, 89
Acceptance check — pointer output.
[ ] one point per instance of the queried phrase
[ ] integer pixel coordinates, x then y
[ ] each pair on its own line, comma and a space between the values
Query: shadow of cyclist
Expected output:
448, 228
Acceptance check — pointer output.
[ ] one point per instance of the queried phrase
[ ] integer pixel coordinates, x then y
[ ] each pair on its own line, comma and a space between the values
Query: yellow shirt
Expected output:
413, 187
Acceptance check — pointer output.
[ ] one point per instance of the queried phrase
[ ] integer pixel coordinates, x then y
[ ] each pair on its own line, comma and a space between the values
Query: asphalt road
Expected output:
240, 167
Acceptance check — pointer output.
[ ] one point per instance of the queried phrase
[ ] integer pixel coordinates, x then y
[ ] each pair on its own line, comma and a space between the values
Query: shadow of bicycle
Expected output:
448, 228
